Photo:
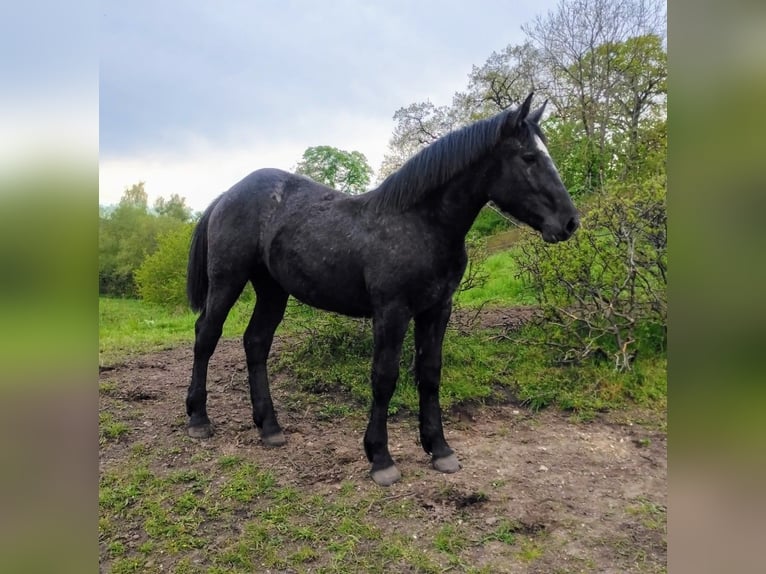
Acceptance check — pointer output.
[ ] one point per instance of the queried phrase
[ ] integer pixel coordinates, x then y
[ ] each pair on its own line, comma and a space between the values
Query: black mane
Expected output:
436, 164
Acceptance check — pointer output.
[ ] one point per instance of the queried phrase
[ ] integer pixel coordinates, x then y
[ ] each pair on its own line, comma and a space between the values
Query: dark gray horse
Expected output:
393, 254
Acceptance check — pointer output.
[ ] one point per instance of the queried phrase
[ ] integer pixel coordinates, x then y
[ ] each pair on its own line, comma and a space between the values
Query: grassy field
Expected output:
323, 352
502, 286
131, 326
169, 503
286, 529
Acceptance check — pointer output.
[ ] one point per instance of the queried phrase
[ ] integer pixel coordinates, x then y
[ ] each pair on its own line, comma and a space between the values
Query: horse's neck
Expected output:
458, 204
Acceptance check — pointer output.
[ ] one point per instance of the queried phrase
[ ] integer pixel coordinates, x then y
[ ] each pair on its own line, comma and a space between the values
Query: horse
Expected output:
395, 254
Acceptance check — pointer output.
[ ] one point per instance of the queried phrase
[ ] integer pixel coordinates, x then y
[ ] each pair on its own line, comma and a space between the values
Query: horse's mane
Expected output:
436, 164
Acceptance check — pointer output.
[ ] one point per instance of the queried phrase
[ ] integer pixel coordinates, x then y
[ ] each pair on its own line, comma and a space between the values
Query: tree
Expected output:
135, 197
161, 277
587, 51
128, 234
417, 125
502, 82
346, 171
174, 207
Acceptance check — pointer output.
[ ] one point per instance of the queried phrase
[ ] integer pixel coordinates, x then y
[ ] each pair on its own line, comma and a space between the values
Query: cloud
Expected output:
201, 169
217, 90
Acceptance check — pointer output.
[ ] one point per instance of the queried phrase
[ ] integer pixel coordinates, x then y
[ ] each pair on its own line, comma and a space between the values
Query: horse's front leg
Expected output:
429, 336
389, 328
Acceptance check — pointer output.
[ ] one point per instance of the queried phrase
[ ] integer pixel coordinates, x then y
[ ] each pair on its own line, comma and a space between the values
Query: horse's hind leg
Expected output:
429, 336
269, 310
222, 294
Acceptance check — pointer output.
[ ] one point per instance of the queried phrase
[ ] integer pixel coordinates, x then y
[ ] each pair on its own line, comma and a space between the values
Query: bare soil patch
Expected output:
579, 497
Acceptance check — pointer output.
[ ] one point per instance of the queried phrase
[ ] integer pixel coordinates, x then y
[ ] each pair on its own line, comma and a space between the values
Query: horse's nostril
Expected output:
572, 225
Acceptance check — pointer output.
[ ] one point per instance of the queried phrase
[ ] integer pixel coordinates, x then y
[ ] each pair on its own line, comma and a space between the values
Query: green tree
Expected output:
174, 207
588, 49
417, 125
127, 235
346, 171
135, 197
161, 277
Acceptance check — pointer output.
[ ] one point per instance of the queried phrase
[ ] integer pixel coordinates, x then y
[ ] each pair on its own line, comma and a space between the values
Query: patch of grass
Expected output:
107, 387
505, 532
503, 287
303, 554
336, 359
110, 429
140, 450
530, 550
116, 548
333, 411
652, 516
588, 388
131, 326
450, 539
128, 565
247, 482
229, 461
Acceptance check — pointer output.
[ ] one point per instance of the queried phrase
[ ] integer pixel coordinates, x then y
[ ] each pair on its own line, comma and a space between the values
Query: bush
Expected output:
331, 354
161, 278
603, 293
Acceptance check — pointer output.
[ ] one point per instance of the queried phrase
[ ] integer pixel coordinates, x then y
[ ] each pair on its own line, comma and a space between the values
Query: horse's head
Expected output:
527, 185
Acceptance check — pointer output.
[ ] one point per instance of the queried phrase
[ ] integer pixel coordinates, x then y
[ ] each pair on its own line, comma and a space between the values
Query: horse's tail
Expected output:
196, 271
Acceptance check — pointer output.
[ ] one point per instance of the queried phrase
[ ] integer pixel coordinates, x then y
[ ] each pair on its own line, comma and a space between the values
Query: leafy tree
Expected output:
135, 197
502, 82
417, 125
127, 234
174, 207
161, 277
346, 171
589, 52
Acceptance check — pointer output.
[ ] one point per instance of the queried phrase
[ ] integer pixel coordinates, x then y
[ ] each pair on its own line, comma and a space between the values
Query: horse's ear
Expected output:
517, 116
537, 115
524, 109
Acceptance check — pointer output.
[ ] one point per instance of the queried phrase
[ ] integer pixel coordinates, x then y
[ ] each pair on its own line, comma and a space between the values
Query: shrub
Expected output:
603, 293
161, 278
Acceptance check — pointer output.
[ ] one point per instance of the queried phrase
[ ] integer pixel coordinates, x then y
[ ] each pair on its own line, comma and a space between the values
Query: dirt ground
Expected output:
596, 492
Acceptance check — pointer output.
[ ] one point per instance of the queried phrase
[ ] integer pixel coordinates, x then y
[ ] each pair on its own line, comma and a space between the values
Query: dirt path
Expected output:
583, 497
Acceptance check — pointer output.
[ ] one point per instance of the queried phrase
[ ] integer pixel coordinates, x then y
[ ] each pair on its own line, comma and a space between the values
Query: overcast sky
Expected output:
194, 95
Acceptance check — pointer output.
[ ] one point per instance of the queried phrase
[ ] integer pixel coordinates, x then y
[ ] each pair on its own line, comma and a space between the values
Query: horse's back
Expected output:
264, 217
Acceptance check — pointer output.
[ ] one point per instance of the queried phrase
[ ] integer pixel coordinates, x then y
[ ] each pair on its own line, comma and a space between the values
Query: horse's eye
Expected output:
529, 157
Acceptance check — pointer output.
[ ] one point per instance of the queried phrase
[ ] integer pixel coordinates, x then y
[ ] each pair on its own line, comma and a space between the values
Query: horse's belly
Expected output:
324, 282
345, 306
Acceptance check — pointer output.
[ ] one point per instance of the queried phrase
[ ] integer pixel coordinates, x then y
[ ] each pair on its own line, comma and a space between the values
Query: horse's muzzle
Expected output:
554, 235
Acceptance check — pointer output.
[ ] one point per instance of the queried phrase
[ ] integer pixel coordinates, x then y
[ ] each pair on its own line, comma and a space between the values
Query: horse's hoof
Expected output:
447, 464
200, 431
386, 476
276, 439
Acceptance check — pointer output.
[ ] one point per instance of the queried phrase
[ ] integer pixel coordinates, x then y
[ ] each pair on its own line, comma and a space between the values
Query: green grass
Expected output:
131, 326
587, 388
270, 525
336, 360
329, 354
157, 518
502, 286
652, 516
110, 429
181, 512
